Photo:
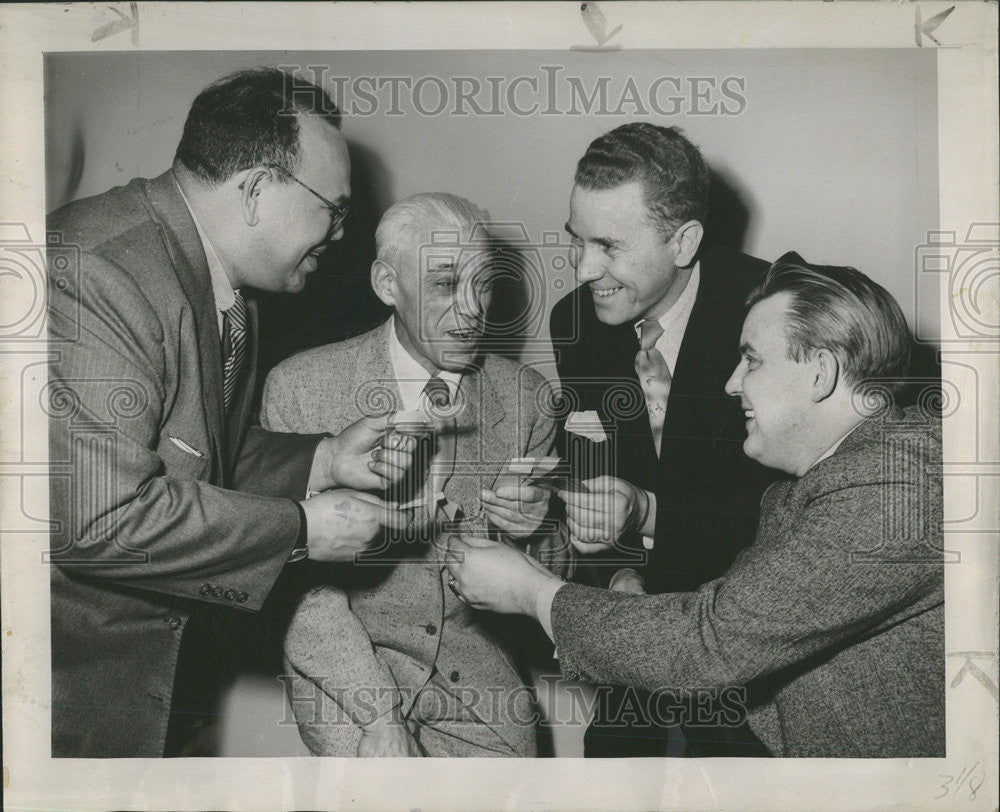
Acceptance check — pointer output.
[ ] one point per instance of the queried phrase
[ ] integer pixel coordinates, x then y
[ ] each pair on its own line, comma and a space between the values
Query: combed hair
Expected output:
407, 221
674, 176
842, 310
249, 118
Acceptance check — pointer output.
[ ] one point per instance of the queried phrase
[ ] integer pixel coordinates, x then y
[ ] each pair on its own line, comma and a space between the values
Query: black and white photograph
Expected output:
604, 389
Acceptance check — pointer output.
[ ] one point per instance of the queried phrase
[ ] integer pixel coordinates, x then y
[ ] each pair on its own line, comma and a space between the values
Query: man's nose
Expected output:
469, 303
589, 265
734, 386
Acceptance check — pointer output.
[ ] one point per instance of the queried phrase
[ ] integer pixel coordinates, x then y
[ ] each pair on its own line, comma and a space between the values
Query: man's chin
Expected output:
613, 316
459, 360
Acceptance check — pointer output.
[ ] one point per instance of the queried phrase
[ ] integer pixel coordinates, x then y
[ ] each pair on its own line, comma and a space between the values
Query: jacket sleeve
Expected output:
783, 601
549, 545
134, 509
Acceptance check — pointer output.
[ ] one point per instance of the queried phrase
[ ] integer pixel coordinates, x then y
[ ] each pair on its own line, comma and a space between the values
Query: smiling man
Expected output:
658, 314
829, 629
385, 660
180, 511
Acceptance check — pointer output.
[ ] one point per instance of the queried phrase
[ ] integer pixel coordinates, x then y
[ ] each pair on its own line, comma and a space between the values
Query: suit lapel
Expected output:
374, 390
634, 447
188, 258
698, 406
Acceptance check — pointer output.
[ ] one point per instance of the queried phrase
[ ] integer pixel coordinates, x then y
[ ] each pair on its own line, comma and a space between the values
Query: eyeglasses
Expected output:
337, 213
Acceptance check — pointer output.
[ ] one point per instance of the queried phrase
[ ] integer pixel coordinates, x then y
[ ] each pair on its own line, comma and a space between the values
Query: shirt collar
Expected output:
222, 289
680, 311
832, 449
411, 377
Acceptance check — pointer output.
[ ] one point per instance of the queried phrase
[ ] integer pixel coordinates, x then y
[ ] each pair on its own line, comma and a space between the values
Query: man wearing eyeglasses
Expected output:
176, 512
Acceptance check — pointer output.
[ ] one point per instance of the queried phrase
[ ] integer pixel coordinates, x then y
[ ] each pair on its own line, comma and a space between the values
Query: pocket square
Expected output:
185, 447
586, 424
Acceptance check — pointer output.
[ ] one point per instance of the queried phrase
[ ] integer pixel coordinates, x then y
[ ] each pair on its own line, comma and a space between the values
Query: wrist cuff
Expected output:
301, 549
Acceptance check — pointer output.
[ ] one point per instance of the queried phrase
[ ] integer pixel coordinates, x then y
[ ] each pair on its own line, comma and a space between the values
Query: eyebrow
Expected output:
746, 348
605, 242
441, 270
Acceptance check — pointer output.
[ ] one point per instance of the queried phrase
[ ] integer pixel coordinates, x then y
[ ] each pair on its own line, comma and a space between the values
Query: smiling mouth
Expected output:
748, 414
604, 293
465, 335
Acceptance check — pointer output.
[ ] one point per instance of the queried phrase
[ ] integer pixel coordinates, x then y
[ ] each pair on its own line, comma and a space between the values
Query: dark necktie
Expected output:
234, 328
654, 377
443, 464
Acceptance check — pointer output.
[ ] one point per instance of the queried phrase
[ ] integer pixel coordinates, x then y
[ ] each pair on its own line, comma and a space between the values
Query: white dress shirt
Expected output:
222, 288
411, 377
674, 321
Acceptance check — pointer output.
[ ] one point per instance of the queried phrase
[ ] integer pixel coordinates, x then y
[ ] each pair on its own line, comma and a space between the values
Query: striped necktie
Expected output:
654, 377
234, 328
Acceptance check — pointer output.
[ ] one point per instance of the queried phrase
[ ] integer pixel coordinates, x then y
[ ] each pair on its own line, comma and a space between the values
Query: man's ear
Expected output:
384, 282
250, 189
826, 369
688, 238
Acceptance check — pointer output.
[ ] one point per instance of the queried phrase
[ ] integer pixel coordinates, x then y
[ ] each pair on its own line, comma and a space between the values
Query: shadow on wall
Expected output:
337, 301
728, 212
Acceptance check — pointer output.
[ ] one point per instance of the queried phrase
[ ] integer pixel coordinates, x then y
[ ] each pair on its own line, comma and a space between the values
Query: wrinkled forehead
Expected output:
463, 251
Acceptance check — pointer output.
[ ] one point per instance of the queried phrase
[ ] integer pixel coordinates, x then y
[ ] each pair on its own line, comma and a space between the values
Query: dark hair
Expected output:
247, 119
673, 174
842, 310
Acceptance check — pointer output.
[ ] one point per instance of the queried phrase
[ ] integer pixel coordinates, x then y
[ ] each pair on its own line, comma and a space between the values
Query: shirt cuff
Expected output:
301, 548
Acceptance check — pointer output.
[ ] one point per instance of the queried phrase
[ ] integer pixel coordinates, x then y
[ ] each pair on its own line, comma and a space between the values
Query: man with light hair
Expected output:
832, 622
387, 660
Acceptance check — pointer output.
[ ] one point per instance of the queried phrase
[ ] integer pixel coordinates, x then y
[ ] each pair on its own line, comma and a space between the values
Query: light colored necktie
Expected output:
654, 377
235, 330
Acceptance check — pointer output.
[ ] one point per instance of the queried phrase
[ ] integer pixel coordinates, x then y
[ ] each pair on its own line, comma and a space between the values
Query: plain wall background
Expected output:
834, 154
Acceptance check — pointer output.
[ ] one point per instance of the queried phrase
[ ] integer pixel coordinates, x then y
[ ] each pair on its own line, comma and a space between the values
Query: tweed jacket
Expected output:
159, 504
416, 624
834, 617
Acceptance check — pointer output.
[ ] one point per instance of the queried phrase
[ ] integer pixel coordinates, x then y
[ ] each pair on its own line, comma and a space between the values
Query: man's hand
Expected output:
518, 510
610, 507
496, 576
363, 456
627, 580
342, 523
387, 738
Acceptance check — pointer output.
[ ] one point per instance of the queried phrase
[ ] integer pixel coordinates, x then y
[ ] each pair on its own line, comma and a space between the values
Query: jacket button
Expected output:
453, 676
174, 622
217, 592
230, 594
206, 589
430, 628
241, 597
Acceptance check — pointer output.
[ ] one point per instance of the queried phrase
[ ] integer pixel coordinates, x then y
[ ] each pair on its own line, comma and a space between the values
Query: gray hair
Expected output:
407, 222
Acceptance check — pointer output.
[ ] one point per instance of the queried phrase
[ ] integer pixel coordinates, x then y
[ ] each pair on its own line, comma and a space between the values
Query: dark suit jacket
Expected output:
145, 530
837, 609
708, 492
